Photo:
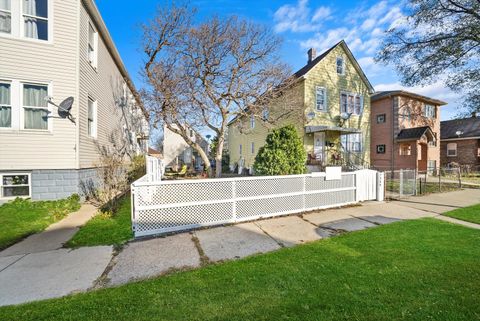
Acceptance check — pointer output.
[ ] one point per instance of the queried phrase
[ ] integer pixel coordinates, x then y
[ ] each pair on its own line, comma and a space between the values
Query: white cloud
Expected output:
299, 17
368, 24
322, 13
370, 67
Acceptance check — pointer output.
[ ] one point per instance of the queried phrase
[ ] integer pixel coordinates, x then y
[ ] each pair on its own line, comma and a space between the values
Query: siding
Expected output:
106, 86
53, 63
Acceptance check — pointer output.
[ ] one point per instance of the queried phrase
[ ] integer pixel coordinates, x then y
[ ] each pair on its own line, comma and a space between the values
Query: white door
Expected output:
319, 146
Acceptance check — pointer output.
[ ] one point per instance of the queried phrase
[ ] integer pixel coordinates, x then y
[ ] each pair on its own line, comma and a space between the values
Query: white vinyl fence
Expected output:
155, 169
167, 206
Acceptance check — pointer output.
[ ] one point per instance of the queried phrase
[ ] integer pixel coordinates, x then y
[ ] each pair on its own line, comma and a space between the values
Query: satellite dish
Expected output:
345, 116
65, 107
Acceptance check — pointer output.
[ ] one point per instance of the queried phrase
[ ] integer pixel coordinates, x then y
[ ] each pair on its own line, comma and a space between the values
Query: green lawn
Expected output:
20, 218
469, 214
411, 270
106, 228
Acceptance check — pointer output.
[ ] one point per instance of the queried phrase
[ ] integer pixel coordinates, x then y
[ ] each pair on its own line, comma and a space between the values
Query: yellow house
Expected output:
332, 114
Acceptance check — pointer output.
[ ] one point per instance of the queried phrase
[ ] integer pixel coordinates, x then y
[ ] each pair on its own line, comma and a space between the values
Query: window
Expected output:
351, 103
253, 148
320, 99
14, 185
381, 118
240, 149
380, 149
265, 114
406, 114
35, 107
405, 150
430, 111
5, 16
92, 45
452, 149
5, 106
352, 142
92, 118
340, 66
252, 121
35, 19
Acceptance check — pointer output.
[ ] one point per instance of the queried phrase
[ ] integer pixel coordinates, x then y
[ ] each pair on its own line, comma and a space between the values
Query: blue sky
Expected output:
302, 23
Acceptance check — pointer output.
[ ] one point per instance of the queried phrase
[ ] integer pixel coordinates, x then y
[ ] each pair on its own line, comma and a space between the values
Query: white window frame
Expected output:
449, 145
18, 27
94, 127
324, 103
408, 150
12, 112
93, 60
349, 145
29, 175
48, 108
47, 19
342, 66
354, 100
11, 17
430, 111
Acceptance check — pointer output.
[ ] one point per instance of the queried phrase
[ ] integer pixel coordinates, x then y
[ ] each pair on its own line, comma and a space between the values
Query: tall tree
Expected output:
438, 40
202, 75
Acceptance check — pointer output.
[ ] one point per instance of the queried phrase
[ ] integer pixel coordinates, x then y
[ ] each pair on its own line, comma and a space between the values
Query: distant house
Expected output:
154, 153
460, 143
176, 152
331, 114
405, 131
61, 48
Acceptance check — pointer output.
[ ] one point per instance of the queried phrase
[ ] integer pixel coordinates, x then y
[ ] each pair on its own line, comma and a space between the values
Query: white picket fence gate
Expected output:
155, 169
168, 206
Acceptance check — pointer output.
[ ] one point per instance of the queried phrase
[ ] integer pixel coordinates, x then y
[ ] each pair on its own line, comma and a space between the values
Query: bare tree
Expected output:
203, 75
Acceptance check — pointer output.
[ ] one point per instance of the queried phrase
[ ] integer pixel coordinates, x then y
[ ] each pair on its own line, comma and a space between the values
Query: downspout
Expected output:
393, 133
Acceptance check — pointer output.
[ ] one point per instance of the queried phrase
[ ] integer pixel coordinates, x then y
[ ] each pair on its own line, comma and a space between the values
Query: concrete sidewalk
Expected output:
30, 277
39, 268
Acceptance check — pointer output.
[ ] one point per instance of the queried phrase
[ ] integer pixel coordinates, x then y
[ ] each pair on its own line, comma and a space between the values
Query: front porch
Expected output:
335, 146
416, 148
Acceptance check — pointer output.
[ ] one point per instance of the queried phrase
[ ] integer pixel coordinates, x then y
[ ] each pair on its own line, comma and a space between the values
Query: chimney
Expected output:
312, 54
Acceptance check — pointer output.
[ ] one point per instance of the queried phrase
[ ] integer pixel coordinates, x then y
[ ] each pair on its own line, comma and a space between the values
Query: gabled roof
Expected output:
470, 127
383, 94
305, 69
415, 133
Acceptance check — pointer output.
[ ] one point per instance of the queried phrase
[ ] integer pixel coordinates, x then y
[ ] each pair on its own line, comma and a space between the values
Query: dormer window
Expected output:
340, 66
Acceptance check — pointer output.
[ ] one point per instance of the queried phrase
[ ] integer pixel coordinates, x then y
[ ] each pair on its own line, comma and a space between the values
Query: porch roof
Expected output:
313, 129
416, 133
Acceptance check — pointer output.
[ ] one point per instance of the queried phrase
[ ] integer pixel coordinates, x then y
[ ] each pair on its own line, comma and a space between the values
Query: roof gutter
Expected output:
112, 49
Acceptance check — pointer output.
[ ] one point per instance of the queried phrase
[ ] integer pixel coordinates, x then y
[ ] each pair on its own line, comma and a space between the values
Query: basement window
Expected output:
15, 185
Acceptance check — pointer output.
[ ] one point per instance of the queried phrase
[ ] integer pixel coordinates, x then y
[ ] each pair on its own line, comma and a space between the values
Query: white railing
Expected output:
167, 206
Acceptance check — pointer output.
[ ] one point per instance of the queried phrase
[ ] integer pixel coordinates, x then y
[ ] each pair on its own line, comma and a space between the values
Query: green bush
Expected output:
282, 154
137, 168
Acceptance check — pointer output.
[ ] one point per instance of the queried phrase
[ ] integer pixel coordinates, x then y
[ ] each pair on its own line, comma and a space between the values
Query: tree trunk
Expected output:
219, 157
205, 159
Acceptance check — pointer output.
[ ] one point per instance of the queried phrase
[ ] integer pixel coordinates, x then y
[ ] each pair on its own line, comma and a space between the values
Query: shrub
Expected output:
137, 168
282, 154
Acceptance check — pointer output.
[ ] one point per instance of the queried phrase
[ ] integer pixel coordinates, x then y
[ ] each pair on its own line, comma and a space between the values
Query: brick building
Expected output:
460, 142
405, 129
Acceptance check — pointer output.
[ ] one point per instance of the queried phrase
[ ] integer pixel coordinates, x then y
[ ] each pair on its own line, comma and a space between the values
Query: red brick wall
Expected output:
467, 152
381, 134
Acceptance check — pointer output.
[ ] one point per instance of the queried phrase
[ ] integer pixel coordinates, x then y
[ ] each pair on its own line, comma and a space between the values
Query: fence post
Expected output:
401, 183
459, 178
380, 186
132, 207
234, 197
415, 183
440, 182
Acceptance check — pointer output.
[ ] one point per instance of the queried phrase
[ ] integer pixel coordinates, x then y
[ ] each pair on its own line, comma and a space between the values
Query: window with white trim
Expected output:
405, 150
35, 19
5, 105
252, 121
92, 45
430, 111
35, 106
13, 185
451, 149
92, 118
340, 63
253, 148
5, 16
352, 142
351, 103
320, 98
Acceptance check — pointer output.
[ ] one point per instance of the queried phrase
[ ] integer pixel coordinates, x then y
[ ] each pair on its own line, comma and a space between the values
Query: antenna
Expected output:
63, 108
